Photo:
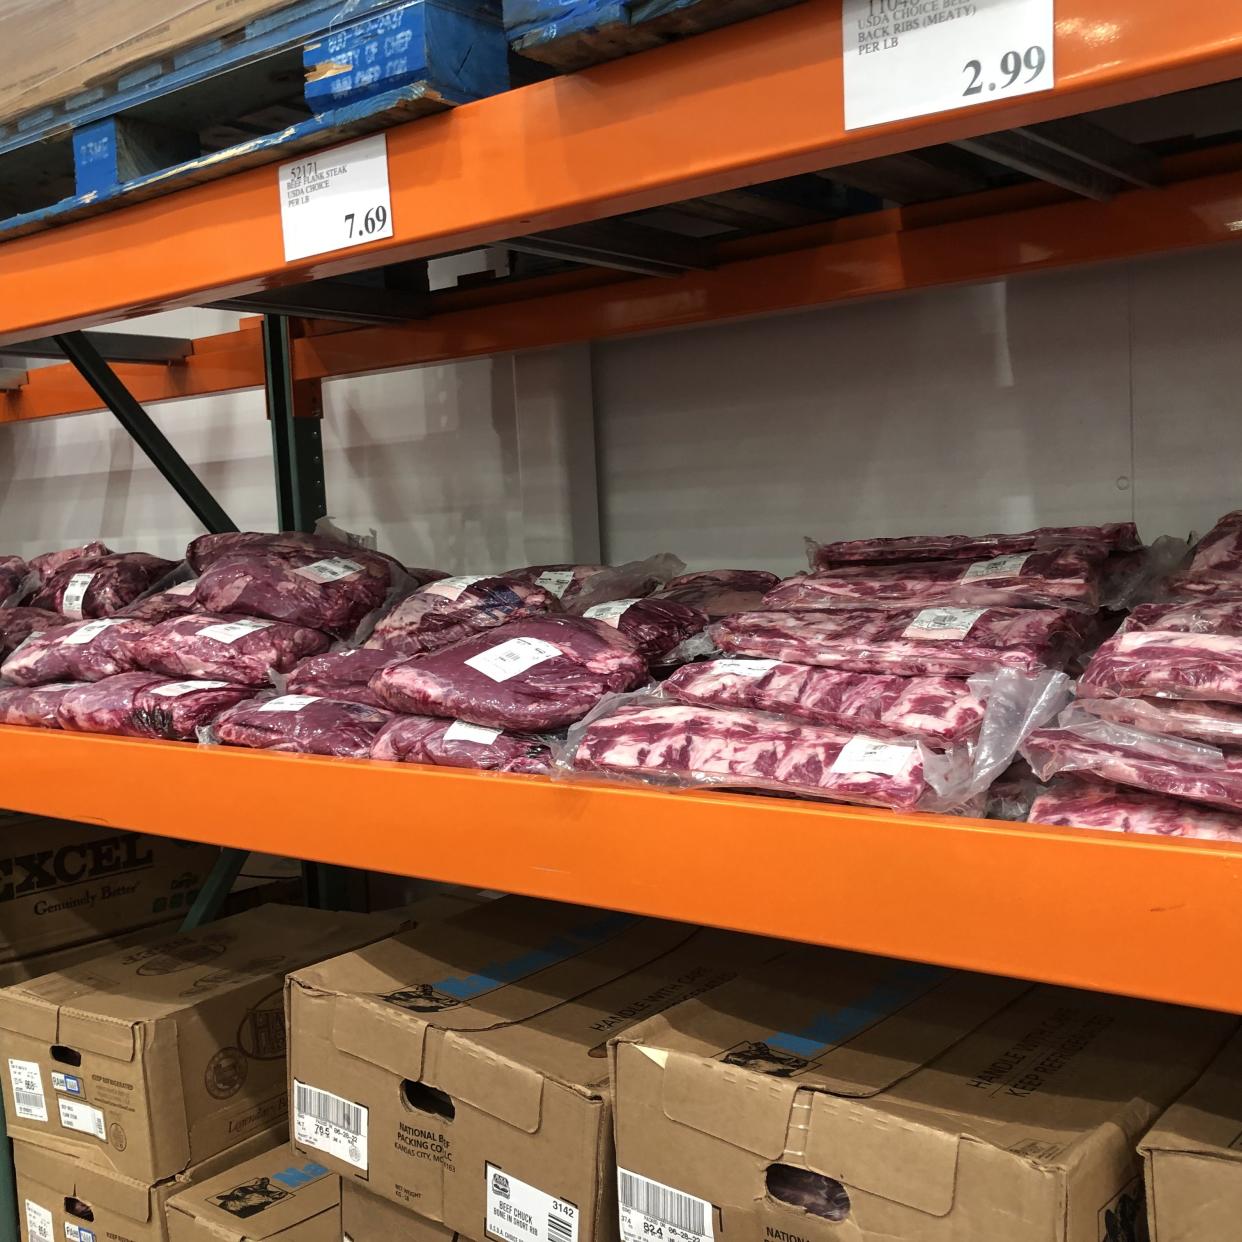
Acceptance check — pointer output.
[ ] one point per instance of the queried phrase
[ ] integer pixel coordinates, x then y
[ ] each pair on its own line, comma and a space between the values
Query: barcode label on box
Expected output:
653, 1212
175, 689
510, 658
29, 1101
333, 569
329, 1123
231, 631
75, 593
460, 731
38, 1222
78, 1233
451, 588
610, 614
85, 633
869, 754
942, 624
75, 1115
289, 703
520, 1212
997, 567
555, 580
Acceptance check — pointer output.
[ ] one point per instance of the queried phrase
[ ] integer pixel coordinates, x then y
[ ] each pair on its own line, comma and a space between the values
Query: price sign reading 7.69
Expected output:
907, 58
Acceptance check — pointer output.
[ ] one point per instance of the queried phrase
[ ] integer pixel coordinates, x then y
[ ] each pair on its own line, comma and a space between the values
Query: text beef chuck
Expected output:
240, 650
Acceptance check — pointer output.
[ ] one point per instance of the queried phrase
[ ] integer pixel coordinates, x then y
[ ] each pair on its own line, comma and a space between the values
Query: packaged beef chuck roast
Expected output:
147, 705
457, 744
303, 724
100, 586
79, 651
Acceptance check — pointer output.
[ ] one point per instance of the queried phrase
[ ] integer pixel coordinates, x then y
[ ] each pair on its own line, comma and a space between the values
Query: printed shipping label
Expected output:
75, 593
328, 1123
38, 1222
75, 1115
177, 688
289, 703
28, 1098
333, 569
612, 613
231, 631
70, 1083
556, 580
869, 754
78, 1233
744, 668
653, 1212
997, 567
943, 624
84, 633
460, 731
451, 588
512, 657
520, 1212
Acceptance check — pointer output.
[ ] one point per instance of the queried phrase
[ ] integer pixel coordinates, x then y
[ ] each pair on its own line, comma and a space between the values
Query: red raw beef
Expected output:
79, 651
242, 650
456, 744
304, 724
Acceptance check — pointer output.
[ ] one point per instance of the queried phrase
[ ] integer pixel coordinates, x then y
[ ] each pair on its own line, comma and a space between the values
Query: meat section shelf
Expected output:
1092, 909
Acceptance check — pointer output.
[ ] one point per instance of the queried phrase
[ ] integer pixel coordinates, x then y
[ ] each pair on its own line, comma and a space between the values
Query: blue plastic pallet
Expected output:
572, 34
294, 80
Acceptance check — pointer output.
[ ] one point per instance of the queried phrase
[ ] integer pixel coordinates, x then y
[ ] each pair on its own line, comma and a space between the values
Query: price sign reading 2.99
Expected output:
906, 58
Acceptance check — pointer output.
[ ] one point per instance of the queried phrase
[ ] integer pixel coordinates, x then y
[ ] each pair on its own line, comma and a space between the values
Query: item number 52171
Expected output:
1032, 62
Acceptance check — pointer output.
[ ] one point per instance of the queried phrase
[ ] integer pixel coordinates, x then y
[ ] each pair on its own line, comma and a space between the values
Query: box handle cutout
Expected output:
79, 1209
66, 1056
427, 1099
813, 1192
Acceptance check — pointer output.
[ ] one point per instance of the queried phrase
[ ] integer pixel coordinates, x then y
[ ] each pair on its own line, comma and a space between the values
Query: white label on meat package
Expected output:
289, 703
231, 631
28, 1096
329, 1123
905, 58
513, 657
333, 569
336, 199
460, 731
555, 580
744, 668
451, 588
38, 1222
942, 624
176, 689
654, 1212
84, 633
183, 588
75, 593
75, 1115
610, 614
520, 1212
869, 754
997, 567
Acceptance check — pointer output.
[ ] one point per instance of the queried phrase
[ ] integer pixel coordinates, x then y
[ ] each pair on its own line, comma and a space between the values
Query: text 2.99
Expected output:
1012, 66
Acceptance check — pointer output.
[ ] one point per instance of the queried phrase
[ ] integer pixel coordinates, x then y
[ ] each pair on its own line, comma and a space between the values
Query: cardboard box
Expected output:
65, 884
368, 1218
154, 1057
274, 1195
63, 1199
460, 1070
1192, 1158
837, 1097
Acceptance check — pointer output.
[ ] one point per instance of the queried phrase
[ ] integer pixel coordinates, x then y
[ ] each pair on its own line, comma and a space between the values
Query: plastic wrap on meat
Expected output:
940, 711
245, 651
452, 609
1059, 578
579, 587
720, 592
457, 744
100, 586
174, 602
304, 724
17, 624
343, 675
1206, 616
79, 651
1070, 803
1112, 537
654, 626
33, 706
147, 705
1166, 664
1218, 724
674, 743
1181, 769
938, 642
528, 676
13, 572
1216, 566
564, 580
49, 563
105, 706
207, 549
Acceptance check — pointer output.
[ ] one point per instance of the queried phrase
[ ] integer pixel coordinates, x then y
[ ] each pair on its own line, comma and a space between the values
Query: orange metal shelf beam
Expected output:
1091, 909
758, 100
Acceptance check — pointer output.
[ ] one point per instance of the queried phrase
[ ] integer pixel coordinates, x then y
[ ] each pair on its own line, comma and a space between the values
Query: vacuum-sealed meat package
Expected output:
207, 549
1201, 616
33, 706
720, 592
1167, 664
344, 675
100, 586
147, 705
939, 711
654, 626
528, 676
13, 574
46, 564
175, 601
1216, 566
244, 650
17, 624
1218, 724
1071, 803
1111, 537
458, 744
79, 651
940, 642
1058, 578
579, 587
304, 724
452, 609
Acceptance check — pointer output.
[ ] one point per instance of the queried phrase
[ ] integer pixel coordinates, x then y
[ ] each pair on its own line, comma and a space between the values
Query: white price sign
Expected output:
907, 58
336, 199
